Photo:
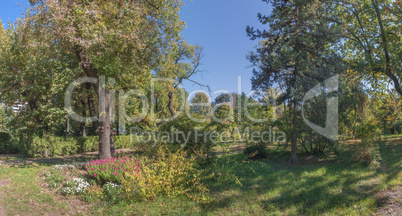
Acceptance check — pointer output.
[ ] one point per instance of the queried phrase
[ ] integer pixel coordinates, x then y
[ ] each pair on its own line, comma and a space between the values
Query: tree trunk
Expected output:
294, 135
67, 127
112, 147
105, 123
170, 104
83, 126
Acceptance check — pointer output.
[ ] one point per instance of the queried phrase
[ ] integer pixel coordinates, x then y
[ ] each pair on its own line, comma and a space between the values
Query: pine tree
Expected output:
296, 52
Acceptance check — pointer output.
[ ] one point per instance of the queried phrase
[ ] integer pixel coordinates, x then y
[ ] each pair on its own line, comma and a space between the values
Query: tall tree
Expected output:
116, 39
180, 62
373, 38
295, 53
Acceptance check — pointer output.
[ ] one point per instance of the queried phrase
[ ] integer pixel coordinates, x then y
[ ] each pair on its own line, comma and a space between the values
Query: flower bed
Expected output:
111, 170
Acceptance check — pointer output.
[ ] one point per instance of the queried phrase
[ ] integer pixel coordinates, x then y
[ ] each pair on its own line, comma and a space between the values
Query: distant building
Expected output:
17, 107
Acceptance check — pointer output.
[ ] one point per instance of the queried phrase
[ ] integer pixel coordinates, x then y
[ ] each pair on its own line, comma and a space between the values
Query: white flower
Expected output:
61, 167
109, 187
76, 185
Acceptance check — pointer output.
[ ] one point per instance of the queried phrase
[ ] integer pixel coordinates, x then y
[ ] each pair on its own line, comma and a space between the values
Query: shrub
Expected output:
368, 151
186, 137
35, 146
93, 193
7, 144
172, 174
256, 151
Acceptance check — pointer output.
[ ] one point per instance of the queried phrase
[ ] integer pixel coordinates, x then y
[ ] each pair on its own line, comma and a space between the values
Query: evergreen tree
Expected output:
296, 53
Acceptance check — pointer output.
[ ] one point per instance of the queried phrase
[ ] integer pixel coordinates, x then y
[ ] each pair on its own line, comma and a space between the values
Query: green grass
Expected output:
267, 187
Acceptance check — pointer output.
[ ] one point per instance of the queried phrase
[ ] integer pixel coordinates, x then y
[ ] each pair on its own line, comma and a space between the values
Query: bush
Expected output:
93, 193
7, 144
256, 151
368, 151
172, 174
59, 146
186, 137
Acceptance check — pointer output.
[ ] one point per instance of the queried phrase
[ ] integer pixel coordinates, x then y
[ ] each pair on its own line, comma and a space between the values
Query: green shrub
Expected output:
172, 175
186, 136
7, 144
256, 151
368, 151
93, 193
59, 146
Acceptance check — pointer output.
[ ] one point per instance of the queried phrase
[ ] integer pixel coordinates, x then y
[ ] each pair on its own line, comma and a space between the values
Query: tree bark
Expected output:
105, 124
294, 135
83, 126
67, 127
170, 104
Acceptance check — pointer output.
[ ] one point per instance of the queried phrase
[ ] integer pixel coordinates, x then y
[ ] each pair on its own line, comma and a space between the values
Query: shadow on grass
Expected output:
333, 186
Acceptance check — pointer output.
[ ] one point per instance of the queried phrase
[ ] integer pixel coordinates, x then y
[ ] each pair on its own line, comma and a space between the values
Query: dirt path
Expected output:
390, 202
2, 211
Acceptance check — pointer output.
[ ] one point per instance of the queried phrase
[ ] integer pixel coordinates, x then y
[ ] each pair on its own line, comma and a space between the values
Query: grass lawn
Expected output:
318, 185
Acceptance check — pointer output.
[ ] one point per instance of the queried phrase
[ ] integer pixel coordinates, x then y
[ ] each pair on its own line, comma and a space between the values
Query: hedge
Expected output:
58, 146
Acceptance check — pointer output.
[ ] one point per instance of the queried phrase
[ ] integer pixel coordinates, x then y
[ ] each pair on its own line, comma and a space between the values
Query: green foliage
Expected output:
296, 52
50, 146
256, 151
186, 137
94, 193
171, 174
223, 170
3, 119
368, 151
112, 191
372, 40
200, 104
7, 143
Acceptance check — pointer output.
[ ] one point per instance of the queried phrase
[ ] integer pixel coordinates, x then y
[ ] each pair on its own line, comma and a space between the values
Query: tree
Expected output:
180, 62
295, 53
200, 104
386, 108
373, 38
117, 39
29, 77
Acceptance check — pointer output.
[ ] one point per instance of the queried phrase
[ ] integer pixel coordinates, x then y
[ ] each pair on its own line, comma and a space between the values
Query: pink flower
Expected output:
95, 174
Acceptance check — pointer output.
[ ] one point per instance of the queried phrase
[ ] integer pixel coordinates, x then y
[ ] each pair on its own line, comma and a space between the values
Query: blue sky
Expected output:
217, 25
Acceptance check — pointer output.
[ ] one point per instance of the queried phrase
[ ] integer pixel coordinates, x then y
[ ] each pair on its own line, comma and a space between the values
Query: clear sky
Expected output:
217, 25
